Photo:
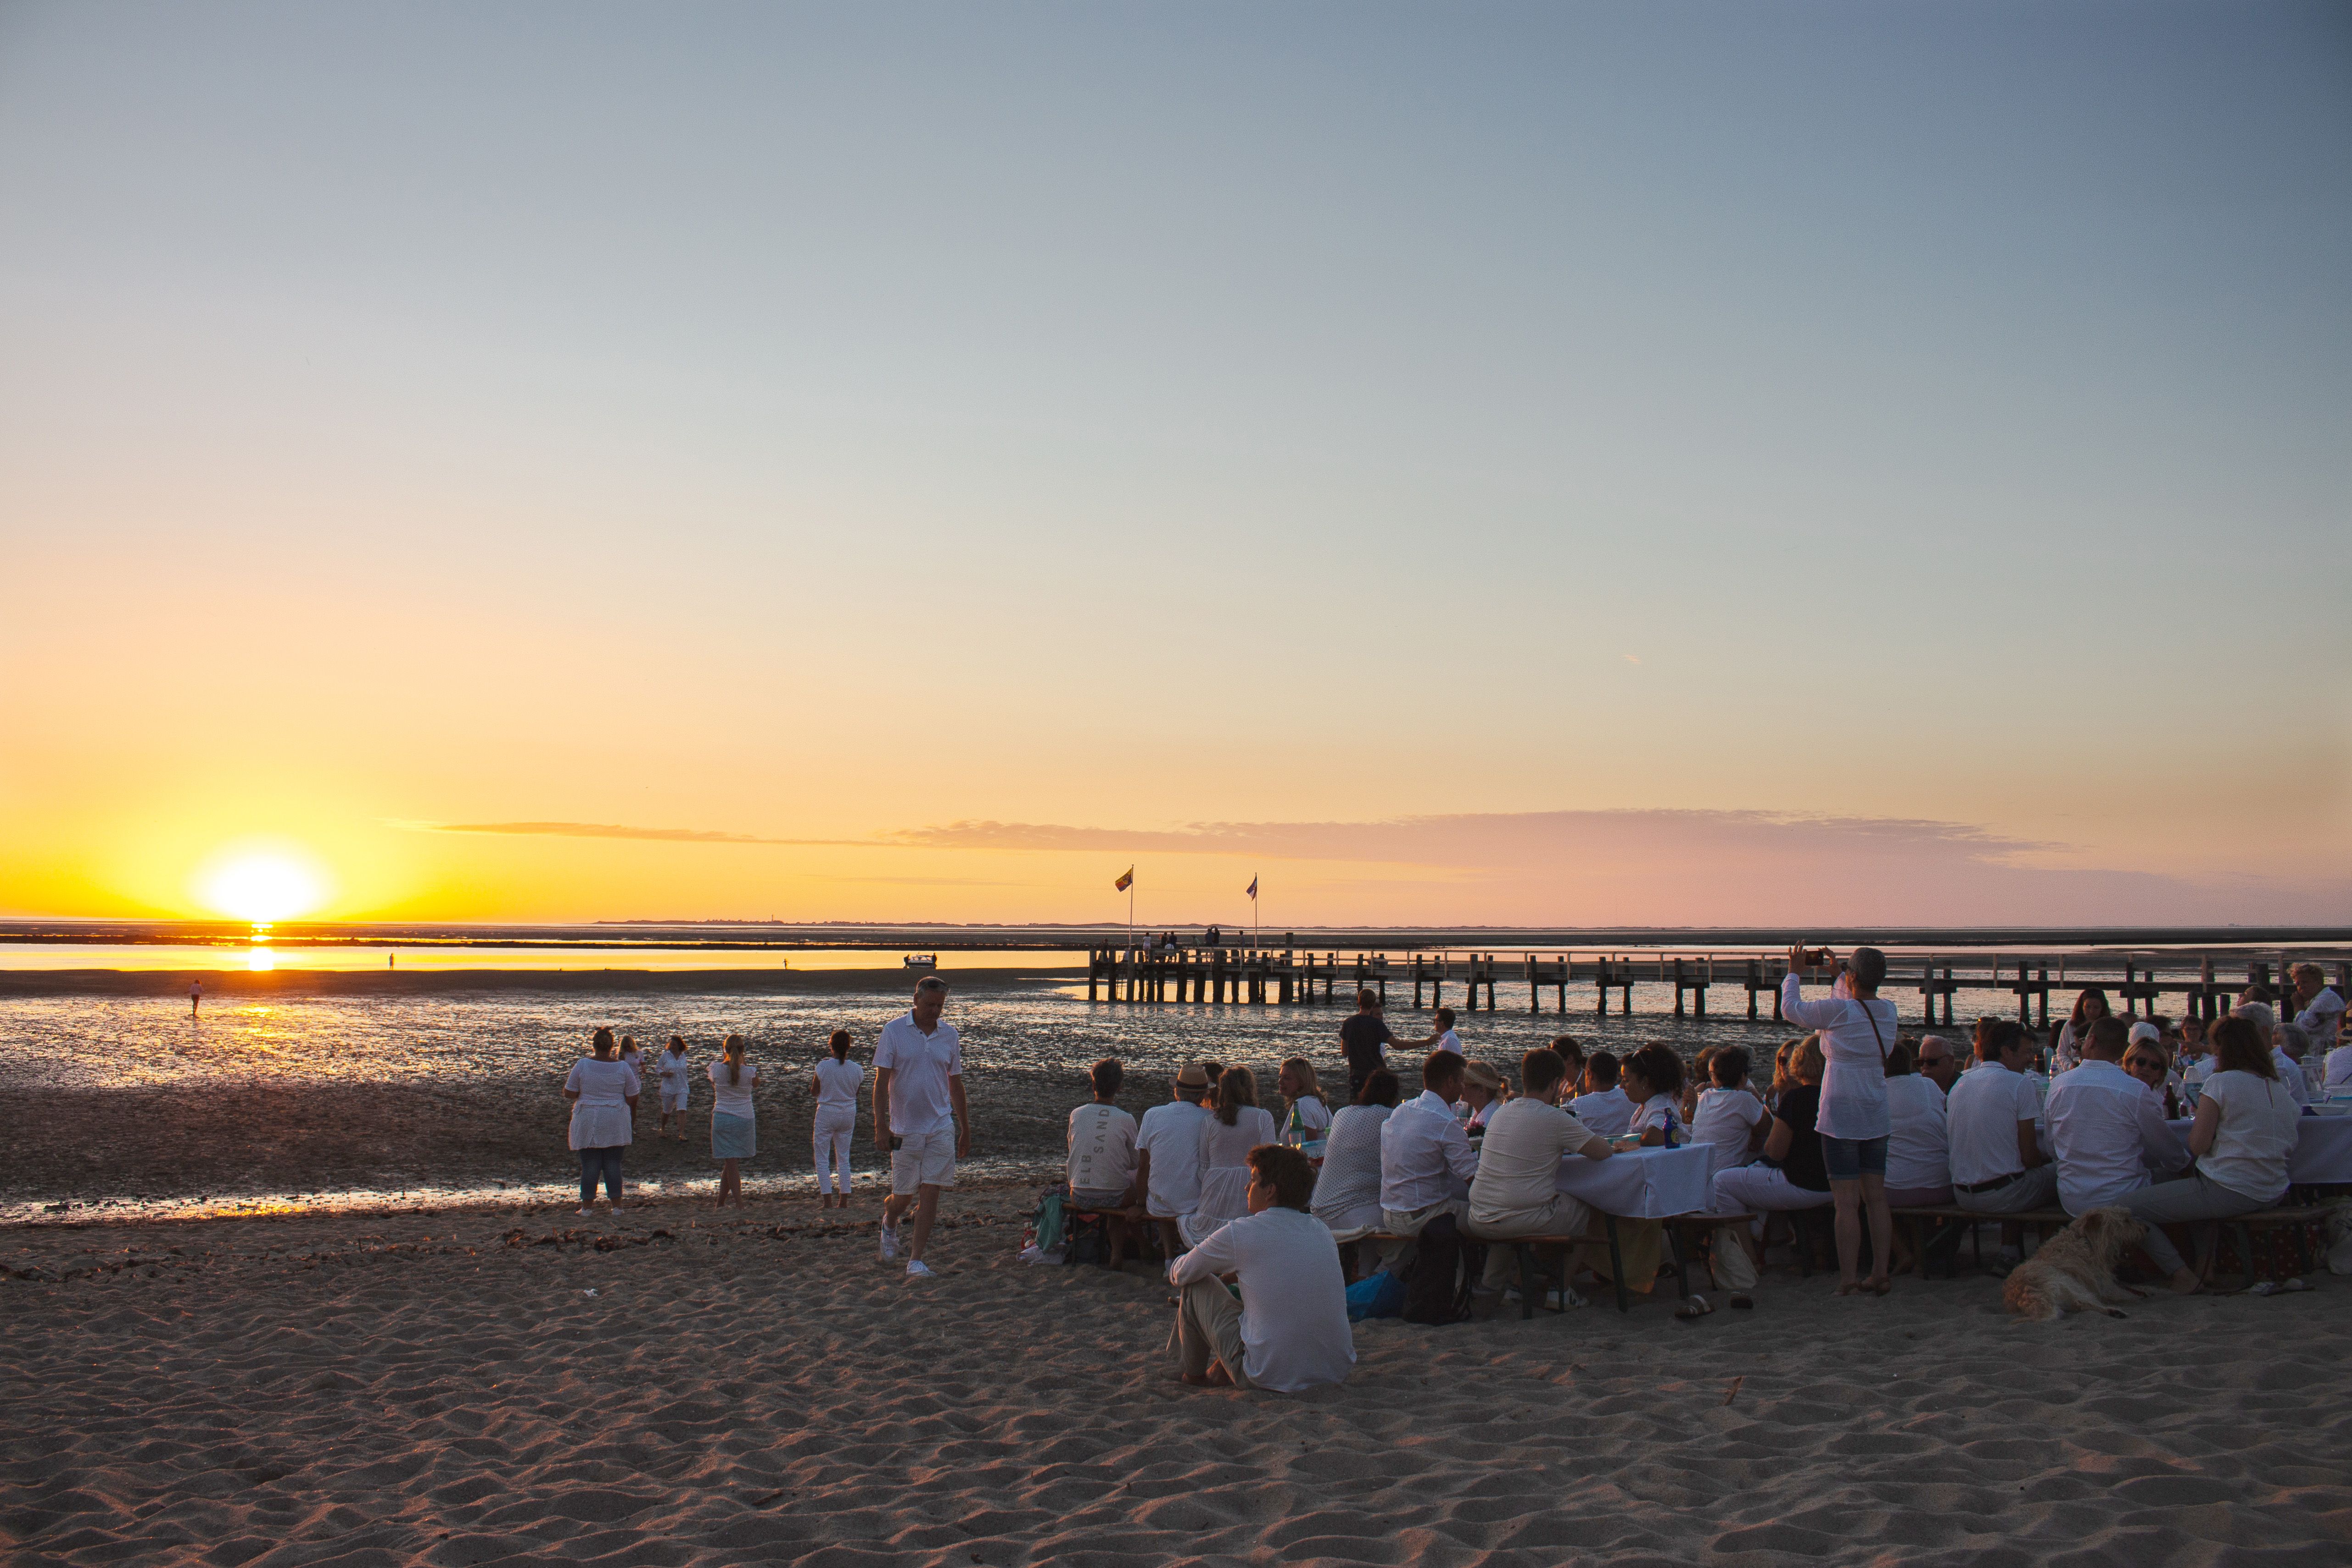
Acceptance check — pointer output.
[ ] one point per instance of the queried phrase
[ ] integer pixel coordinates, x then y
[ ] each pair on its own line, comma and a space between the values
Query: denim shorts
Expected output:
1851, 1159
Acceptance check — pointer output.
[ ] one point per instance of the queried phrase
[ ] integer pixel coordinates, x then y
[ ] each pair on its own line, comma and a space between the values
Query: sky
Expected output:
1691, 465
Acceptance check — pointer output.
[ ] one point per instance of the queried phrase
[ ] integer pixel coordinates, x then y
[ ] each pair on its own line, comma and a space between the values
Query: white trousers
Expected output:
833, 1126
1754, 1189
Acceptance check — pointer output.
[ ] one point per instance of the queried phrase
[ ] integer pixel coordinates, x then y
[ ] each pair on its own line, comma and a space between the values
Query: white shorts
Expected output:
926, 1159
673, 1102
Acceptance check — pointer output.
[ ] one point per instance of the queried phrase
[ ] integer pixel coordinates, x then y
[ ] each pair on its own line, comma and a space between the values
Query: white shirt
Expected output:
1657, 1113
1980, 1118
1725, 1120
2323, 1018
600, 1117
674, 1068
1609, 1113
2290, 1073
1854, 1081
1917, 1154
920, 1065
2107, 1128
1518, 1161
1102, 1149
837, 1083
2339, 1066
1222, 1147
2256, 1137
734, 1099
1348, 1188
1451, 1041
1425, 1156
1295, 1331
1171, 1135
1314, 1116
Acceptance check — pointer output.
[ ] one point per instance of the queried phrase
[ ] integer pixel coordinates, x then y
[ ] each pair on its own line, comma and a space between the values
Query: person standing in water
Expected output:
836, 1085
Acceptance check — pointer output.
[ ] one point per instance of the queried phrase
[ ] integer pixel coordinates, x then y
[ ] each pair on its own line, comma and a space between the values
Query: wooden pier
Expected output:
1289, 976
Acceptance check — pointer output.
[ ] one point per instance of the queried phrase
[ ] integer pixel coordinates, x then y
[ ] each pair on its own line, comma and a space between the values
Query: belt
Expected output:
1993, 1186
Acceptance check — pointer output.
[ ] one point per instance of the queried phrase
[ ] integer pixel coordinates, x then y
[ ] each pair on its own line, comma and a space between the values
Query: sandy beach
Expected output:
675, 1387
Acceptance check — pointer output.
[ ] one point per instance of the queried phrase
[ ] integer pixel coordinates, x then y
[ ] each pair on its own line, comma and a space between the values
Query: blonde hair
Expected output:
734, 1049
1806, 1063
1305, 1070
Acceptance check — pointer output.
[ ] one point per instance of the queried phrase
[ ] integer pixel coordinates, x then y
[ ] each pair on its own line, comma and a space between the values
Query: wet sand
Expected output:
672, 1386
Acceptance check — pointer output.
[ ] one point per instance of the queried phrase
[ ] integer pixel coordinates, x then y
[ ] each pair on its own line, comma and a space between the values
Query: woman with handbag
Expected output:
1854, 1120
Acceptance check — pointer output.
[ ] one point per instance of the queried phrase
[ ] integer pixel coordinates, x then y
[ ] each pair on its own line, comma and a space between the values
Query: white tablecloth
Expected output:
2322, 1151
1642, 1183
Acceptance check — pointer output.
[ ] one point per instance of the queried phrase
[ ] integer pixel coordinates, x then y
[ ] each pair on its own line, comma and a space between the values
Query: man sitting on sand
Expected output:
1289, 1330
1426, 1160
1516, 1191
1602, 1106
1102, 1156
1168, 1156
2106, 1127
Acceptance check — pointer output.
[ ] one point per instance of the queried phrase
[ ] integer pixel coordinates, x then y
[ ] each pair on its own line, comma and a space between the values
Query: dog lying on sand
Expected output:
2075, 1271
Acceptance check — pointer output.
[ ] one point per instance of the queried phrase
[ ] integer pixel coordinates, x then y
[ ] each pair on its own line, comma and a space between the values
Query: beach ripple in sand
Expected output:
441, 1389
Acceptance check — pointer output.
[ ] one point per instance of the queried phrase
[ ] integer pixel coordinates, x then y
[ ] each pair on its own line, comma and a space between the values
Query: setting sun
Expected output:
263, 887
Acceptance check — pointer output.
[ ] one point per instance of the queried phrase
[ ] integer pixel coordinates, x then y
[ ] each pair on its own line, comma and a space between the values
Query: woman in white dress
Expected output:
1348, 1188
1237, 1125
602, 1092
734, 1122
835, 1086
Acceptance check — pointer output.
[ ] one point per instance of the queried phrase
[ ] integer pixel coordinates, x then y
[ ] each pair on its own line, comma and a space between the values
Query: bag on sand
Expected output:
1378, 1294
1437, 1285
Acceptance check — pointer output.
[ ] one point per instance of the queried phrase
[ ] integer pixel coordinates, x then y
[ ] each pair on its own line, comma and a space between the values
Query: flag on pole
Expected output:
1253, 888
1126, 880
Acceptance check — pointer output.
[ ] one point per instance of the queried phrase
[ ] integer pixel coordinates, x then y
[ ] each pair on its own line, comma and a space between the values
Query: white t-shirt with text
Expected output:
1102, 1148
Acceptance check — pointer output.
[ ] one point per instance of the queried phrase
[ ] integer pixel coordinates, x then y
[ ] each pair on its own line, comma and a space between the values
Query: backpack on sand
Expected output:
1437, 1285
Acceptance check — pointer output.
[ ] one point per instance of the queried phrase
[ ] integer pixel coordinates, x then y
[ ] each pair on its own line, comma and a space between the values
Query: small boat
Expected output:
921, 961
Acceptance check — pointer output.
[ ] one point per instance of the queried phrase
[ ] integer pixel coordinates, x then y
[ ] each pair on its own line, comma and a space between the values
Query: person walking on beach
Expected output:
676, 1083
734, 1122
195, 996
919, 1116
836, 1085
602, 1092
1364, 1040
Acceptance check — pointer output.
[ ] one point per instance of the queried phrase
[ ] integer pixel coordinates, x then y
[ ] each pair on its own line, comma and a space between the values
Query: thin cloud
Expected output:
604, 831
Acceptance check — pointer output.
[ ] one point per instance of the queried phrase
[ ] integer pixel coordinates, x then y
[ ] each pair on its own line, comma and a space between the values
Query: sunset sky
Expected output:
1692, 465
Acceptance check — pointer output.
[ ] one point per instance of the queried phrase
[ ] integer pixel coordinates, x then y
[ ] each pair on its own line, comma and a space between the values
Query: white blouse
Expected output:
600, 1117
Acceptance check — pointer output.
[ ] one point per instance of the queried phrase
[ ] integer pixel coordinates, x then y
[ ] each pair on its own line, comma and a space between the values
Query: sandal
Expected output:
1695, 1309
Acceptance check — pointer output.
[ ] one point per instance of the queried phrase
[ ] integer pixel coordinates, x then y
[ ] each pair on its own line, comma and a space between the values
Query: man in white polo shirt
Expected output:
1992, 1133
2107, 1126
920, 1117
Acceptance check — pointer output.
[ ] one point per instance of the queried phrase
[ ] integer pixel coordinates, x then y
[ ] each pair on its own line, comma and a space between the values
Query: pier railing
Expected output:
1288, 976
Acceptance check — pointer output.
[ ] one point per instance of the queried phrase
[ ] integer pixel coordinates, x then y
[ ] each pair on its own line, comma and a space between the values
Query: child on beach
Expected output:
1653, 1079
1603, 1106
1731, 1121
676, 1082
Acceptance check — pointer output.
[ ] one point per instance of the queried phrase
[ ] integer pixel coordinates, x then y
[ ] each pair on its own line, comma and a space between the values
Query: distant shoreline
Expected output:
226, 983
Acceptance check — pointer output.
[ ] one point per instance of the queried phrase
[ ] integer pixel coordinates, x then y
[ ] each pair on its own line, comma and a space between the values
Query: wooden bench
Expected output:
2298, 1219
1696, 1226
2042, 1220
1531, 1271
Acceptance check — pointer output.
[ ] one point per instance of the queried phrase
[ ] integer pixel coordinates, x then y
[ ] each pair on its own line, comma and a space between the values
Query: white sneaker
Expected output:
889, 1241
919, 1270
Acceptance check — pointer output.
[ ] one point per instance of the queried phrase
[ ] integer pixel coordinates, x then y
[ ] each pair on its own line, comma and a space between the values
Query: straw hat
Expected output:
1484, 1076
1193, 1075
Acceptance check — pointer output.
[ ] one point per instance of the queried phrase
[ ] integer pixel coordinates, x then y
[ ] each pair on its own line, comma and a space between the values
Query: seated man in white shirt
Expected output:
1426, 1160
1602, 1106
2106, 1127
1289, 1330
1168, 1156
1516, 1191
2318, 1009
1102, 1158
1992, 1130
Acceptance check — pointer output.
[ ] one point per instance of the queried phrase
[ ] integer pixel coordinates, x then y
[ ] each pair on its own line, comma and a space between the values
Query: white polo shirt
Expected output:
1980, 1118
1608, 1112
2107, 1128
1171, 1135
920, 1065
